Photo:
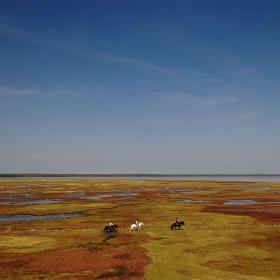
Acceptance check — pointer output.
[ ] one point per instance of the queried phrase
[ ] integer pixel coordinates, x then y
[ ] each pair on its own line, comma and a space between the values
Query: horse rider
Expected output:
110, 224
136, 223
177, 221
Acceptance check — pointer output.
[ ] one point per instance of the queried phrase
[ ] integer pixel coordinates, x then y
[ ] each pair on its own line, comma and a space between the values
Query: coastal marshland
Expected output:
53, 229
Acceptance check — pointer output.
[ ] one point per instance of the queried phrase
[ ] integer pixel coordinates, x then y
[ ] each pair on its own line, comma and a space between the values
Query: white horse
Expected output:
135, 227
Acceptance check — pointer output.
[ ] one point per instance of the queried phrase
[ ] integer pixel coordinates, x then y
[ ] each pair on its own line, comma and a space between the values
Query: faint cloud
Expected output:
62, 93
182, 75
10, 31
8, 91
247, 115
11, 91
180, 99
177, 73
13, 32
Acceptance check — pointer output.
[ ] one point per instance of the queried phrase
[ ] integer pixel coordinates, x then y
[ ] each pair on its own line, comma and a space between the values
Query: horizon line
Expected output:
133, 174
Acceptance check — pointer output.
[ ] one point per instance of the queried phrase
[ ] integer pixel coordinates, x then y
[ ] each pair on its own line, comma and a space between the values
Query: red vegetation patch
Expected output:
270, 241
268, 214
112, 262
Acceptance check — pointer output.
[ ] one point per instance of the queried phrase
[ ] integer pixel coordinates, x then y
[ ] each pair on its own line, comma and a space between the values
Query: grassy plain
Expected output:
232, 230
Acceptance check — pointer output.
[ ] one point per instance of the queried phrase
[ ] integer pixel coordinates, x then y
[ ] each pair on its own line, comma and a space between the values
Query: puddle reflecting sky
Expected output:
97, 197
265, 188
4, 219
248, 202
30, 202
194, 201
182, 191
240, 202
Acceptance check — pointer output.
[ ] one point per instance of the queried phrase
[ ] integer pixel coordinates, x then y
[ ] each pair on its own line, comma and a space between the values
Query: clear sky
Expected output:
148, 86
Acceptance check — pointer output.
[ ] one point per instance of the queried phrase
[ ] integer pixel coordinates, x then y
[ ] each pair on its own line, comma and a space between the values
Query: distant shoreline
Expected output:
136, 175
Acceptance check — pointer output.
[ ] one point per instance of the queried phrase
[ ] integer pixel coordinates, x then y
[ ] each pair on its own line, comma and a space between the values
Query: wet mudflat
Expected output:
54, 230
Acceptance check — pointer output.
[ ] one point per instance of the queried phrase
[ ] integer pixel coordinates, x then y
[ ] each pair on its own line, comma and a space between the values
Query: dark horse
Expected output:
112, 228
177, 225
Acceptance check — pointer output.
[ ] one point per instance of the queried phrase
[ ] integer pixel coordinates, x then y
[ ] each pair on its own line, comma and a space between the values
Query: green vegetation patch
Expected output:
26, 244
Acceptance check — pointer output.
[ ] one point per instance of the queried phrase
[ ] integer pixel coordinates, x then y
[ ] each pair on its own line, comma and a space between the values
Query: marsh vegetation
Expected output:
231, 229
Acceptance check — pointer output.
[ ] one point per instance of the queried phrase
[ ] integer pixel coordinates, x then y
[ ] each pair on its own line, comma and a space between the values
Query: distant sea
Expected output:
141, 177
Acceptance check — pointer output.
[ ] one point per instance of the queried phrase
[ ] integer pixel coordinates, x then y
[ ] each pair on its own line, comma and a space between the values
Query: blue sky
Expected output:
148, 86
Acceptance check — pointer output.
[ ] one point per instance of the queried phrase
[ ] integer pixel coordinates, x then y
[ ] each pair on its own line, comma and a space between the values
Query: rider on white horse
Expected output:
137, 226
